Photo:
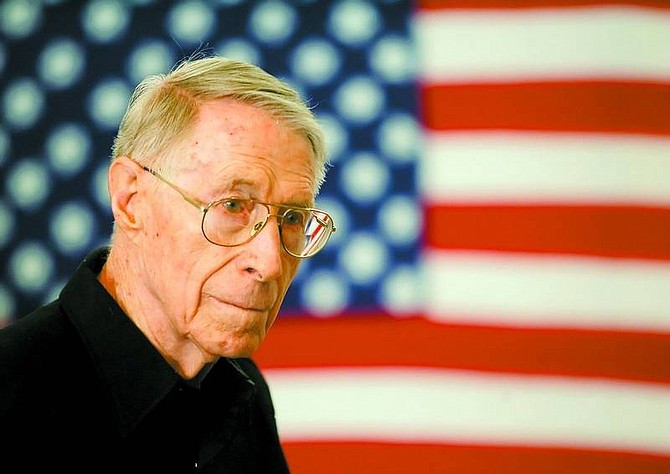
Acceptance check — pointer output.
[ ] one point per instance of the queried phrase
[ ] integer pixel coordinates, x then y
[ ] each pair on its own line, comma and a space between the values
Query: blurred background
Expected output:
496, 296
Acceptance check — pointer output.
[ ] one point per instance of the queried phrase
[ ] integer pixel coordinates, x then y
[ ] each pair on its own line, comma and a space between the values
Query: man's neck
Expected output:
149, 316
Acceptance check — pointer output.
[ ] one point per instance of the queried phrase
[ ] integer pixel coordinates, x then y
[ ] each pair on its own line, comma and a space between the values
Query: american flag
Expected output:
495, 299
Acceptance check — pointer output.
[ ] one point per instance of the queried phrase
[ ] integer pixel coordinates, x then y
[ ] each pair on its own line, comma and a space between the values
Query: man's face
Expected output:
224, 299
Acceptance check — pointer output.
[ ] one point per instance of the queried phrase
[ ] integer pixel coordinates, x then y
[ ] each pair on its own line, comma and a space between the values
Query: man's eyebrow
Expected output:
245, 183
227, 186
241, 182
300, 204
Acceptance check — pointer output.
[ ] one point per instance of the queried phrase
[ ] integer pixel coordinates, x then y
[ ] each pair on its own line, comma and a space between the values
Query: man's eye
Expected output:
234, 205
294, 218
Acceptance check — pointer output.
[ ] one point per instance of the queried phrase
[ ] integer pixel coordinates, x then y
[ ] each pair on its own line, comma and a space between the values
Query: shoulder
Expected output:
35, 332
39, 346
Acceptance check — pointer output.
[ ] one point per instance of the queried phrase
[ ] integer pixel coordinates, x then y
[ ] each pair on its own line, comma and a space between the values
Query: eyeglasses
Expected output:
233, 221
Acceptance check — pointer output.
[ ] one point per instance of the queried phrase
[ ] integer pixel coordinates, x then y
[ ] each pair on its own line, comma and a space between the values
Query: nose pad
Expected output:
258, 226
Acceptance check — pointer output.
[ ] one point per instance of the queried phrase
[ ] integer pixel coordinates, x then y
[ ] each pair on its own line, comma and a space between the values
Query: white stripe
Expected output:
549, 291
589, 42
449, 406
490, 166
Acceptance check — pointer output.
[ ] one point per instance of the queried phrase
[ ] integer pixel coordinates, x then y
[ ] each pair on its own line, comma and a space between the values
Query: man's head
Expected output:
212, 130
164, 107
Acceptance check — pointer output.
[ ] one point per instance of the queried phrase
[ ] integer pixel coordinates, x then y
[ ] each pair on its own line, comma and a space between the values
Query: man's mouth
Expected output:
246, 307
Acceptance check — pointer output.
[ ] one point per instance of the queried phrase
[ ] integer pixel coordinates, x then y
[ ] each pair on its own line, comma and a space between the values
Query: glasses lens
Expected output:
233, 222
305, 232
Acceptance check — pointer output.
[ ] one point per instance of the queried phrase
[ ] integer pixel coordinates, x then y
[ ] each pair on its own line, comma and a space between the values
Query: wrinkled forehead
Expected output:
228, 133
282, 174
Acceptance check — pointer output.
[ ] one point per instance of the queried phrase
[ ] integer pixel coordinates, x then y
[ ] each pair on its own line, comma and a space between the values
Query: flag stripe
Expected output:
461, 407
515, 4
544, 178
547, 291
603, 107
604, 41
487, 166
377, 341
626, 232
336, 457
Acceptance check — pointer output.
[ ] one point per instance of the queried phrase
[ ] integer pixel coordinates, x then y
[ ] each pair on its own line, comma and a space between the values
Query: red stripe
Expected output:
549, 106
514, 4
365, 341
367, 457
608, 231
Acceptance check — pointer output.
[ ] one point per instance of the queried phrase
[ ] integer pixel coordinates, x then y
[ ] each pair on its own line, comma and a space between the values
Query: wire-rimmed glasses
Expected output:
233, 221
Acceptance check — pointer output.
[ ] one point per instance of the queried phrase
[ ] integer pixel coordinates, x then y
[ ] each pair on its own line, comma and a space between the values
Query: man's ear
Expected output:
122, 181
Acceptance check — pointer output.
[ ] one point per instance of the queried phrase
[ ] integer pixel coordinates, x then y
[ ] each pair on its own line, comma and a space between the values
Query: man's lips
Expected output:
254, 307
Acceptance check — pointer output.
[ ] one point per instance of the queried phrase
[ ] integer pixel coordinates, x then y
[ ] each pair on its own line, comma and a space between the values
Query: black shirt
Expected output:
82, 387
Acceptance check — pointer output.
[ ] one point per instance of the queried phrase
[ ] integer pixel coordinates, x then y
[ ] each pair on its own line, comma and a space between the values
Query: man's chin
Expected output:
237, 347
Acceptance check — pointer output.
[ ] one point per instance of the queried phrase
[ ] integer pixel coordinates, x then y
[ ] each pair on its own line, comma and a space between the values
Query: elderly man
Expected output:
143, 362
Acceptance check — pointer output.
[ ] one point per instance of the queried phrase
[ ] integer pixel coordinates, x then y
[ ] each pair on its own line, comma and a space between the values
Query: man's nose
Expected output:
267, 249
